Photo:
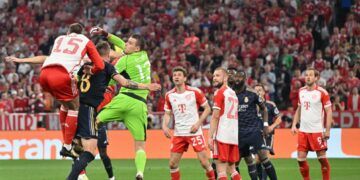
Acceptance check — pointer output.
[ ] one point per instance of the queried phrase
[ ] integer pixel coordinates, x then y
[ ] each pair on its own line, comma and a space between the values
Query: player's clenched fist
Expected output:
11, 59
98, 31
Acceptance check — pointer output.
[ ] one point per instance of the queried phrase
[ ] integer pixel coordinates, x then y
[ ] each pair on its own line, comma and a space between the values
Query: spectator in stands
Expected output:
319, 63
338, 104
21, 102
36, 101
217, 33
353, 100
6, 103
327, 73
269, 79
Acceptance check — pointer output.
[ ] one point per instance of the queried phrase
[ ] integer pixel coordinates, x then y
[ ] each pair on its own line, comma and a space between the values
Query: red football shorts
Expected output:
180, 144
311, 142
226, 152
56, 80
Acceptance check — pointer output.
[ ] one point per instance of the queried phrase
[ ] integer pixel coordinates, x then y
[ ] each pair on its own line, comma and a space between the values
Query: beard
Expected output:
218, 84
237, 85
310, 83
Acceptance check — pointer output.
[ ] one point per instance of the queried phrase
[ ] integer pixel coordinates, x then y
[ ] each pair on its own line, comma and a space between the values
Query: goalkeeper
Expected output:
129, 106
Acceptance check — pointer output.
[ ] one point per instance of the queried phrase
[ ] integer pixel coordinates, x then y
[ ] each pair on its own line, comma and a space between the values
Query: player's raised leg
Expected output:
70, 126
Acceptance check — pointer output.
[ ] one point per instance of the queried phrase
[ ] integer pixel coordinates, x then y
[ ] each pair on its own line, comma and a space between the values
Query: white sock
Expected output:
112, 178
67, 146
140, 173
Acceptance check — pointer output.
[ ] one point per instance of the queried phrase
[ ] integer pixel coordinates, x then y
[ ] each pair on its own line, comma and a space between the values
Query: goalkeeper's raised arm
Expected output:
112, 38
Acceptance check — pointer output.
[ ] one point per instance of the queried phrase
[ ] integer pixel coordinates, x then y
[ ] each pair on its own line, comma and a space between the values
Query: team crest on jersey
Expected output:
188, 97
246, 99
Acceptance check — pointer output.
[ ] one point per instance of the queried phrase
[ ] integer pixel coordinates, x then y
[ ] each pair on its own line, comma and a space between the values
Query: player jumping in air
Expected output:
56, 77
134, 65
92, 89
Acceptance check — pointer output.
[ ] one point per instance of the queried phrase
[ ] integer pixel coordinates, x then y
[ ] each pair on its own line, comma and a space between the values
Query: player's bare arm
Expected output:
265, 117
276, 123
134, 85
213, 124
165, 124
295, 120
329, 121
204, 115
32, 60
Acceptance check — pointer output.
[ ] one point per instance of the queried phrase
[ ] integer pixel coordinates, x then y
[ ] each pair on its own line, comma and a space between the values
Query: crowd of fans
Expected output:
274, 41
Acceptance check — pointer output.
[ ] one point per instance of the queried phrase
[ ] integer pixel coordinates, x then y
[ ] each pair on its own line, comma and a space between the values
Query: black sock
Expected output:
213, 165
259, 170
237, 169
264, 175
80, 164
270, 170
252, 171
107, 164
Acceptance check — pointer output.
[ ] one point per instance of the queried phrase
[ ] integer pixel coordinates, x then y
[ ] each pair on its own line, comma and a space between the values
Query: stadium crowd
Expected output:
274, 41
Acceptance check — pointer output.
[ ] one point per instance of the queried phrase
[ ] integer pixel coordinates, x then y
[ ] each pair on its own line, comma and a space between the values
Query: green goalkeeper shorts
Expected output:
129, 110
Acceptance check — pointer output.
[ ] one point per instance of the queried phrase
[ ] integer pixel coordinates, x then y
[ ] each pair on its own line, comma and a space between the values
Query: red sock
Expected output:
70, 126
210, 175
175, 174
63, 113
235, 176
325, 168
82, 172
304, 169
222, 176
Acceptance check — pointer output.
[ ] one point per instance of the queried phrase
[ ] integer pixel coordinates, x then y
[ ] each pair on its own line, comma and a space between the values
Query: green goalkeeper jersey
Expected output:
135, 66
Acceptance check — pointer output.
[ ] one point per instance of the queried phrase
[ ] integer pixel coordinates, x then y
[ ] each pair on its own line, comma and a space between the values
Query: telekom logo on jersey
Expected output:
182, 107
307, 105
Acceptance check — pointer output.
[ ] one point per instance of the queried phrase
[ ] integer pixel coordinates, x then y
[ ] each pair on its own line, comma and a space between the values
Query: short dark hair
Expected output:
140, 41
180, 69
76, 28
316, 72
103, 48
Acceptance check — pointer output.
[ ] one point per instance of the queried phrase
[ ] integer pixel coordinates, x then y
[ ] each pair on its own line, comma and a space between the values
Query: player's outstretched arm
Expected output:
213, 124
165, 124
329, 121
32, 60
134, 85
204, 115
295, 120
112, 38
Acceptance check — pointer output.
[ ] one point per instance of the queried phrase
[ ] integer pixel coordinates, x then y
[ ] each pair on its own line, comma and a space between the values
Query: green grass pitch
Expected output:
287, 169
